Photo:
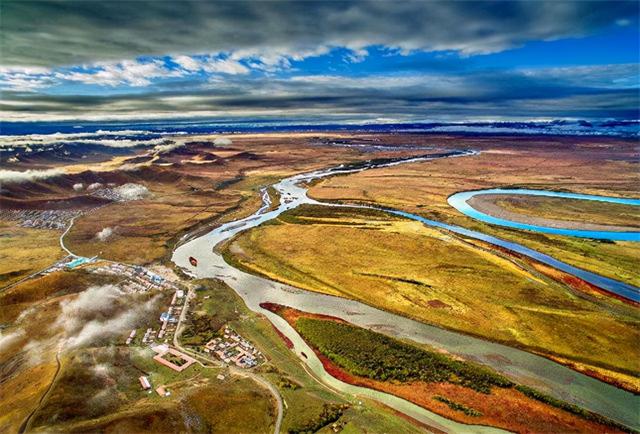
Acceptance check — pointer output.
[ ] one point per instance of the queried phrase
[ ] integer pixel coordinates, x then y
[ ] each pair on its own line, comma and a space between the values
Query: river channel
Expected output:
460, 201
521, 366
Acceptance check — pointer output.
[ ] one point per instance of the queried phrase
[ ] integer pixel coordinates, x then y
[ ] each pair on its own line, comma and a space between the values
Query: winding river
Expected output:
460, 201
519, 365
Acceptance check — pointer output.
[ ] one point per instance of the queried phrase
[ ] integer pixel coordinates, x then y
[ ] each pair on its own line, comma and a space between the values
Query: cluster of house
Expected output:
139, 279
68, 263
172, 358
40, 219
168, 320
233, 348
146, 385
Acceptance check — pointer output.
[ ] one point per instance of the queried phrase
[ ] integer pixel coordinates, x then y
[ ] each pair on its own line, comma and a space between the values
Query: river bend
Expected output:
524, 367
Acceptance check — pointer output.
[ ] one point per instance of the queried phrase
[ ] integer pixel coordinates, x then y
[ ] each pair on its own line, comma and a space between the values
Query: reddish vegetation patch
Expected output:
272, 307
292, 315
335, 370
578, 284
629, 386
438, 304
503, 408
572, 281
286, 340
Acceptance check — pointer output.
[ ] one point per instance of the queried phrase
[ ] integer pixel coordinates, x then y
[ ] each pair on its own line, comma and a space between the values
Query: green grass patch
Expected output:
214, 307
330, 414
373, 355
458, 407
376, 356
313, 214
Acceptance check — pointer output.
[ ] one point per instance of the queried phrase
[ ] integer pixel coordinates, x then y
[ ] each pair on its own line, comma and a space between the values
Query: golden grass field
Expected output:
189, 194
570, 210
407, 268
24, 251
394, 264
195, 193
606, 167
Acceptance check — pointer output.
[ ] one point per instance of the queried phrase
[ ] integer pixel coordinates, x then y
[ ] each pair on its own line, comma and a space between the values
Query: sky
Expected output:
332, 61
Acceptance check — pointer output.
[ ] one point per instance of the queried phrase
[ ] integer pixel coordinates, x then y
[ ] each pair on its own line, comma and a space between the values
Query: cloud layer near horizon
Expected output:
127, 59
580, 92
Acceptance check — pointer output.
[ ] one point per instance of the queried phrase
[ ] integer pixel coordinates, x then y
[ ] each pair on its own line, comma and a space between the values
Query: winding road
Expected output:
519, 365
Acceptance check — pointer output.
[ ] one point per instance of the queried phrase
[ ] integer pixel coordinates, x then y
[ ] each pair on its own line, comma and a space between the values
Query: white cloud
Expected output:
168, 147
104, 234
127, 72
6, 339
187, 63
17, 177
357, 55
132, 191
225, 66
97, 313
94, 186
112, 139
222, 141
24, 78
78, 187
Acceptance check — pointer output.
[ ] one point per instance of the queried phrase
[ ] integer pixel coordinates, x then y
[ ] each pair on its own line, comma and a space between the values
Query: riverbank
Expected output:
555, 379
444, 280
472, 395
496, 207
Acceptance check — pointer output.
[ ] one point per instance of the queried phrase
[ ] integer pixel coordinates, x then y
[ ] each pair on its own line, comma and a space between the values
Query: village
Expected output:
233, 348
229, 348
40, 219
138, 279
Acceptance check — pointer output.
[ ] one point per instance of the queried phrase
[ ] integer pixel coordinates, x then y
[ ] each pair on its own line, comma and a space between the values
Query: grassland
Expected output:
306, 400
96, 387
193, 193
593, 166
376, 356
459, 390
24, 251
569, 210
27, 356
98, 390
190, 191
407, 268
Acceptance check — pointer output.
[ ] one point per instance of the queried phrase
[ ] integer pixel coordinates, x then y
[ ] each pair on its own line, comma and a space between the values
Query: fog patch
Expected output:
104, 234
34, 351
132, 191
7, 339
100, 312
25, 313
101, 370
222, 141
94, 186
17, 177
168, 147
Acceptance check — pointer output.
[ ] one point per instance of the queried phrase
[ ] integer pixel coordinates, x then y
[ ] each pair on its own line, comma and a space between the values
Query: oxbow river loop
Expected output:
460, 201
519, 365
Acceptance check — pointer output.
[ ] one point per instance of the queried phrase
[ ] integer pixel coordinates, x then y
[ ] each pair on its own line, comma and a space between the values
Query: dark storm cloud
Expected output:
51, 33
587, 92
